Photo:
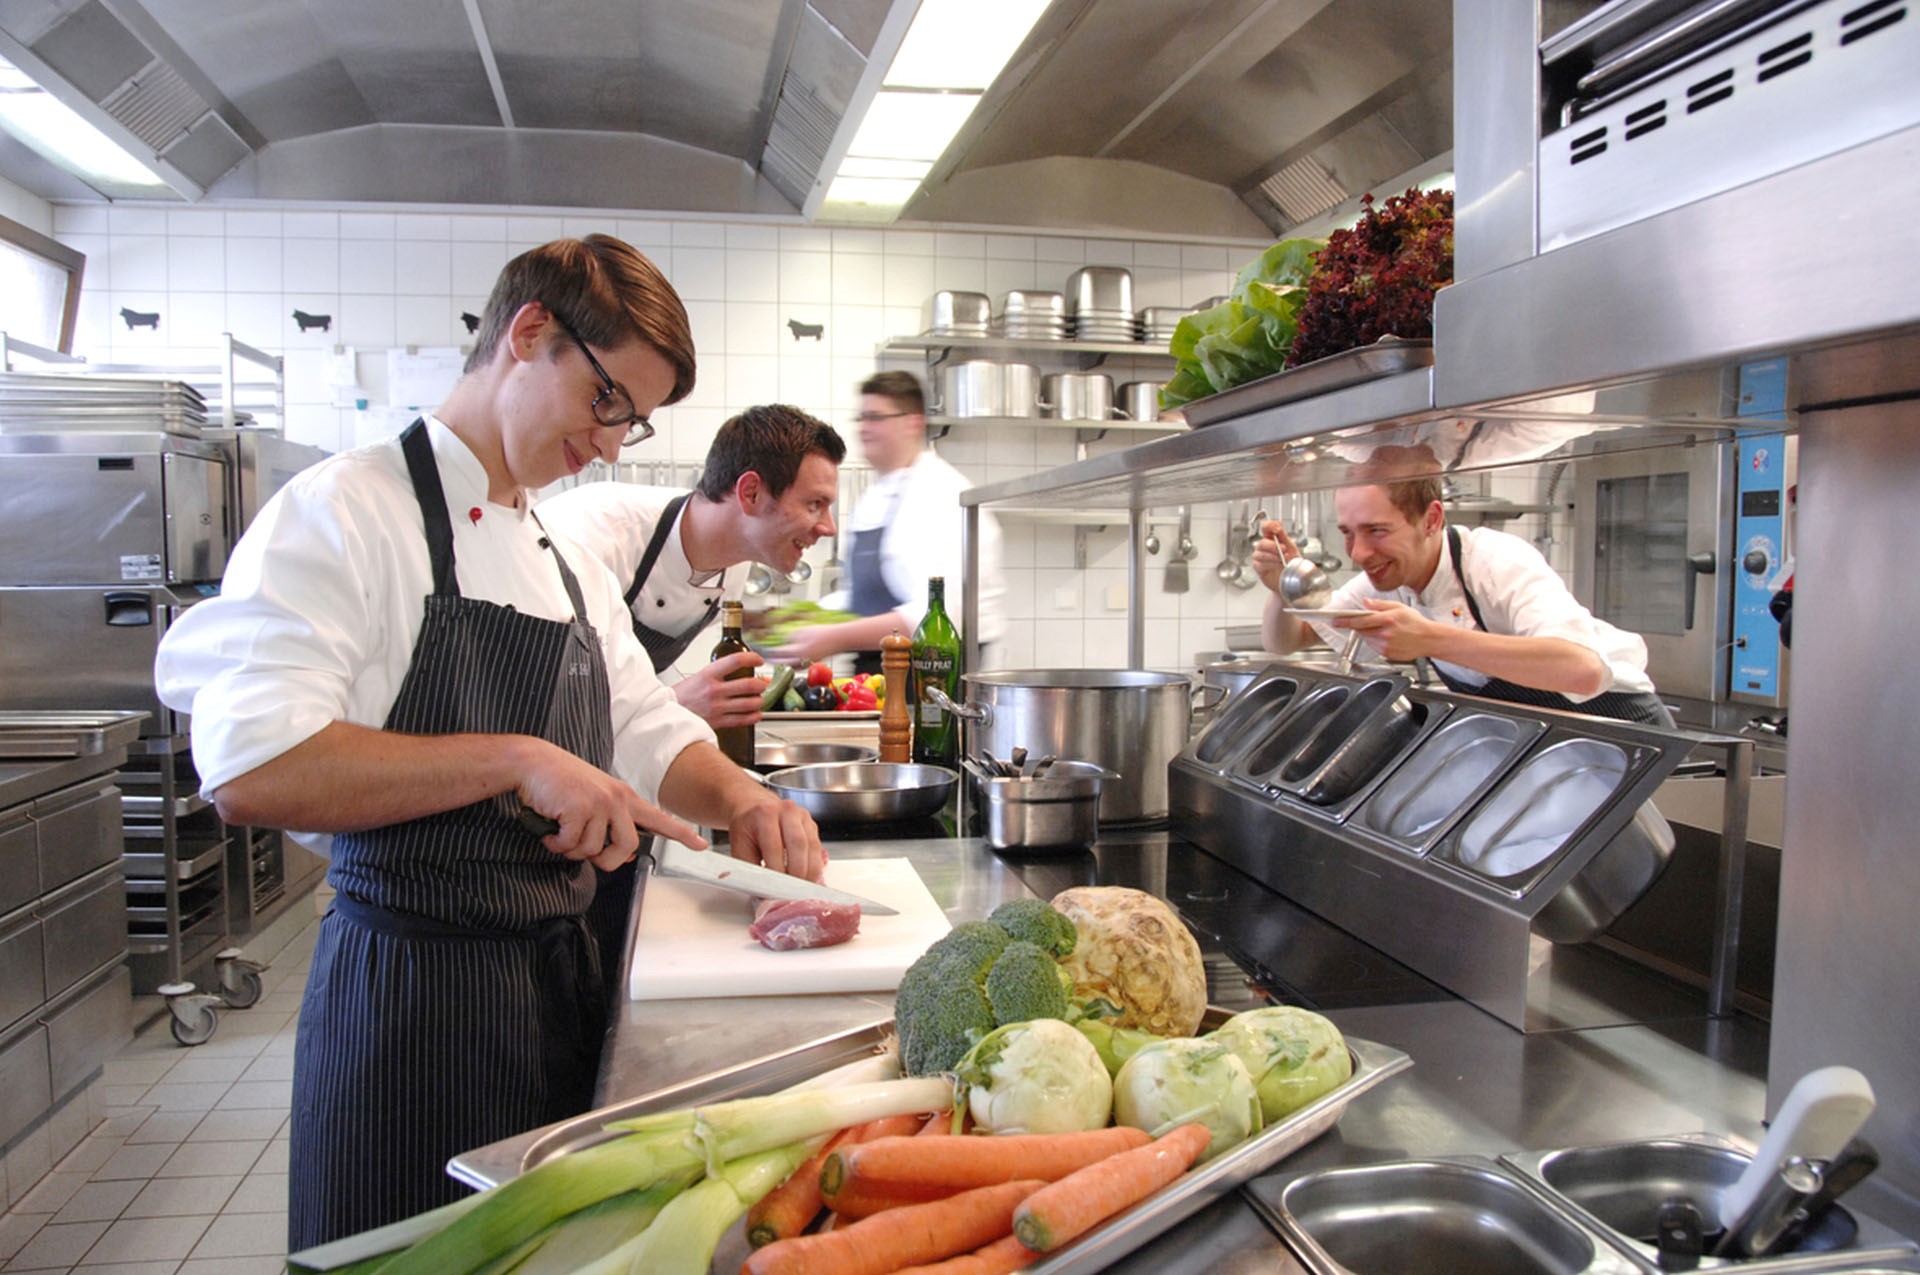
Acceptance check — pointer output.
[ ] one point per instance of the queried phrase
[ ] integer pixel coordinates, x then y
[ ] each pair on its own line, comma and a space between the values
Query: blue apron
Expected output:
456, 996
867, 590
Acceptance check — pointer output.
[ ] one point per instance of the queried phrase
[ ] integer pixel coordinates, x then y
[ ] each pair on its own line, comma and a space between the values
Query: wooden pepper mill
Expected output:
896, 719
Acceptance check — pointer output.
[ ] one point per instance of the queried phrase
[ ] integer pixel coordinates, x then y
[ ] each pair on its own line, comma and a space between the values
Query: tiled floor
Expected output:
188, 1176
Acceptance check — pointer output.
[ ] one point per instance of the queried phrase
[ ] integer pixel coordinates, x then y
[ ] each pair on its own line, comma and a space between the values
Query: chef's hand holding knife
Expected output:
603, 820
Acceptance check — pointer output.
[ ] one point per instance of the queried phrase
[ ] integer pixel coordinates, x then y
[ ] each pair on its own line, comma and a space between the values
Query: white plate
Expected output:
1328, 613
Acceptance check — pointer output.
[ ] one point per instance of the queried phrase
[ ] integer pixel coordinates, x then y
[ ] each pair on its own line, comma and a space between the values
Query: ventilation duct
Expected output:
169, 123
1299, 192
822, 76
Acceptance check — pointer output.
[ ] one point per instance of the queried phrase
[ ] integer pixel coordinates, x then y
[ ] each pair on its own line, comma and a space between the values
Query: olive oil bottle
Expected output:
735, 741
935, 662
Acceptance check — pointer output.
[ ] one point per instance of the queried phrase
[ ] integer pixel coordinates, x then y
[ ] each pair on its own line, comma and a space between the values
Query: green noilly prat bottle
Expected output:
935, 662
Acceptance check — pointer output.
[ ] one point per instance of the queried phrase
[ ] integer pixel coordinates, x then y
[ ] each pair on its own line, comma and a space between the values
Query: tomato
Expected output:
819, 675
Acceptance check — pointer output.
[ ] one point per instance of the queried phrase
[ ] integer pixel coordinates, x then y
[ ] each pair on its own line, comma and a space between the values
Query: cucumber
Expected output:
777, 688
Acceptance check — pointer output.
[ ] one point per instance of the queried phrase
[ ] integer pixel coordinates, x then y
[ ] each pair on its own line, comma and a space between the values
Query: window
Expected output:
39, 287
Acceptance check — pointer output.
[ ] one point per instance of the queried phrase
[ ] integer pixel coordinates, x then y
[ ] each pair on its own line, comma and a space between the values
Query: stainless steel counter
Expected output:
1476, 1087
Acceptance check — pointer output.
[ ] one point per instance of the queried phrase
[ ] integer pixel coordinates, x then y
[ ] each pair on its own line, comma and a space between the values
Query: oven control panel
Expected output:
1762, 516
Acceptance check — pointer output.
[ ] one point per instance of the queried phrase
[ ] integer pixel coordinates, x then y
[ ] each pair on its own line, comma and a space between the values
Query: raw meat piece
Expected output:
792, 923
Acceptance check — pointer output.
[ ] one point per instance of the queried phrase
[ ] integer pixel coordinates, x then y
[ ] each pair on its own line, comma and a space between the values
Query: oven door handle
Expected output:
1698, 564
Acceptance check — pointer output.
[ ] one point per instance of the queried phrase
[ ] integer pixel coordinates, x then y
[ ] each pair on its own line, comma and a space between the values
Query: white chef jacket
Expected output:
920, 508
323, 600
1519, 595
614, 522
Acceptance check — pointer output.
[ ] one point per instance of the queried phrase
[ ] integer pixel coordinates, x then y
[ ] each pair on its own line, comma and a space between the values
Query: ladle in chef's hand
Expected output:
1304, 586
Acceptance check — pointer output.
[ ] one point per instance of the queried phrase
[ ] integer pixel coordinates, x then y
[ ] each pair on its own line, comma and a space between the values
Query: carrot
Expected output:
970, 1161
913, 1234
998, 1258
861, 1199
1064, 1209
791, 1206
938, 1123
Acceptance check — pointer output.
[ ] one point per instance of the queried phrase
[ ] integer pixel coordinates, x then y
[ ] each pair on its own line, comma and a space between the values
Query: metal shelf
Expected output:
944, 345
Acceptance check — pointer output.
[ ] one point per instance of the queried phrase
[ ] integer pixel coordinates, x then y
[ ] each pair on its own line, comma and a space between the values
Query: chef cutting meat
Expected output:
1482, 605
403, 656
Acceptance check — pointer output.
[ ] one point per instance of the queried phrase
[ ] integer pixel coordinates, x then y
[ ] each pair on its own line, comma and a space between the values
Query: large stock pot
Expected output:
1131, 721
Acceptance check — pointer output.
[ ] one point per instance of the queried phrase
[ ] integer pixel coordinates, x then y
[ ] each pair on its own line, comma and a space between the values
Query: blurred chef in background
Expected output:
904, 531
1482, 605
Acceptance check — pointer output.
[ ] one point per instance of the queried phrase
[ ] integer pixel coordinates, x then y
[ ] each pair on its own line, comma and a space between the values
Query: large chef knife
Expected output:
718, 868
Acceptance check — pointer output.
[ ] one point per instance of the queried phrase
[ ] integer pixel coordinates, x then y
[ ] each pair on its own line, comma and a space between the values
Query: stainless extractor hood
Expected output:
1214, 118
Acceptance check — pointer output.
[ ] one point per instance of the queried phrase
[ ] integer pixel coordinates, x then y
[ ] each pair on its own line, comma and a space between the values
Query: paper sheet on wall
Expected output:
420, 379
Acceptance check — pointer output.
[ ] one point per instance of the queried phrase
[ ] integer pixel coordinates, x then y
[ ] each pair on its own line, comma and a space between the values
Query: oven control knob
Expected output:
1755, 561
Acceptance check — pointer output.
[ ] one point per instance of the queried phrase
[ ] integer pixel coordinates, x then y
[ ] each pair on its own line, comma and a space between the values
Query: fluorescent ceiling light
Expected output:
907, 169
911, 125
953, 51
962, 46
53, 129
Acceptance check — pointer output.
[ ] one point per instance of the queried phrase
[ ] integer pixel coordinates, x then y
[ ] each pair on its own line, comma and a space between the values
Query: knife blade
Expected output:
718, 868
707, 867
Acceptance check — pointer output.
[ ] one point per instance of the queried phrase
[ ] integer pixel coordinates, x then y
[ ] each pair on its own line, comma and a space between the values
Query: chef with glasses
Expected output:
402, 656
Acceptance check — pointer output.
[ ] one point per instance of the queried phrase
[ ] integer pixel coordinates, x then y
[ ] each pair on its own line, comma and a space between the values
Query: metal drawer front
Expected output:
22, 972
23, 1079
86, 927
79, 831
19, 864
89, 1028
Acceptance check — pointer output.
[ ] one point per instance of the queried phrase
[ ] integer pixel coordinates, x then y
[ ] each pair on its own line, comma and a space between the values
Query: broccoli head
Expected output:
973, 979
1026, 983
1038, 922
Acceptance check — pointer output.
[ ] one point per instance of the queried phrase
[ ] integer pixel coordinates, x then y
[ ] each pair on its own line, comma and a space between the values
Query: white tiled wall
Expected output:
402, 278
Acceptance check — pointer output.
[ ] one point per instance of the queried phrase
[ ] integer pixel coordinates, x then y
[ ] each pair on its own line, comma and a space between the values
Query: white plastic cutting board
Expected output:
693, 941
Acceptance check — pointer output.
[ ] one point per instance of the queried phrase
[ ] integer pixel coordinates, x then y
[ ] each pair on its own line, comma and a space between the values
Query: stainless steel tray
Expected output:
1372, 1063
1388, 356
30, 733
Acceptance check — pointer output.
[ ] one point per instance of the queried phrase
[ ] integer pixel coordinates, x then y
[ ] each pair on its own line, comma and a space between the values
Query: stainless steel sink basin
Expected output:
1433, 1216
1622, 1185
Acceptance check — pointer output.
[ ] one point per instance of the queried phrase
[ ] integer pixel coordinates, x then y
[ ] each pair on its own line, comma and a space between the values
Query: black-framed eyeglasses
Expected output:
867, 418
612, 406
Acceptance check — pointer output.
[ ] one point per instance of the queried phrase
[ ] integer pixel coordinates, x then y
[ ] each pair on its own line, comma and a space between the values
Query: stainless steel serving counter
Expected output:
1476, 1087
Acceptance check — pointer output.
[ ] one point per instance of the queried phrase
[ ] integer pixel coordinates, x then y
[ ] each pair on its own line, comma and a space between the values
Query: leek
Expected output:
511, 1212
352, 1250
572, 1243
728, 1130
683, 1238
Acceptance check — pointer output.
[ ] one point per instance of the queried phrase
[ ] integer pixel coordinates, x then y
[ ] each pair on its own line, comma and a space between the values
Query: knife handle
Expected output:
536, 823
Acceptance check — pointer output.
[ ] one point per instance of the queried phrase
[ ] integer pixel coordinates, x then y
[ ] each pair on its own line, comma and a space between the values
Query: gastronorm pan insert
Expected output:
1458, 763
1238, 722
1540, 810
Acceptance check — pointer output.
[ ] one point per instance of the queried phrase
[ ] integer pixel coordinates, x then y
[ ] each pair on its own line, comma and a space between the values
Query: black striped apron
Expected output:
1624, 706
613, 901
456, 996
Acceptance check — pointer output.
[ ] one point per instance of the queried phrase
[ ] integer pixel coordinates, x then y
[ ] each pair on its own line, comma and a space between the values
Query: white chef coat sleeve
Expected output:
1520, 594
923, 541
650, 728
271, 661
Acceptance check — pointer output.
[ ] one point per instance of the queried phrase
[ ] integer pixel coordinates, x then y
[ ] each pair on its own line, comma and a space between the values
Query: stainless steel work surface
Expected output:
1477, 1087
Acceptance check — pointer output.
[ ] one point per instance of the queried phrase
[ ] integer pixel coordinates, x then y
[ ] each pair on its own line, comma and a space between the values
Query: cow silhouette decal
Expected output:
322, 321
141, 318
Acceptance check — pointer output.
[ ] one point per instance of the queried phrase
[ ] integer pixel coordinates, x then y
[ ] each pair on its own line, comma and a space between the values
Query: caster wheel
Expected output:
243, 992
197, 1027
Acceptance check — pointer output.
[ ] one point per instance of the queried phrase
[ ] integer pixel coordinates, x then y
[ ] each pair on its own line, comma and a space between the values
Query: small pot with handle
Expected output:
1140, 400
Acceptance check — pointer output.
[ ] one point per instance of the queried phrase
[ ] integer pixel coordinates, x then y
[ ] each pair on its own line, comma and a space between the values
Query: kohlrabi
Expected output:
1185, 1079
1041, 1076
